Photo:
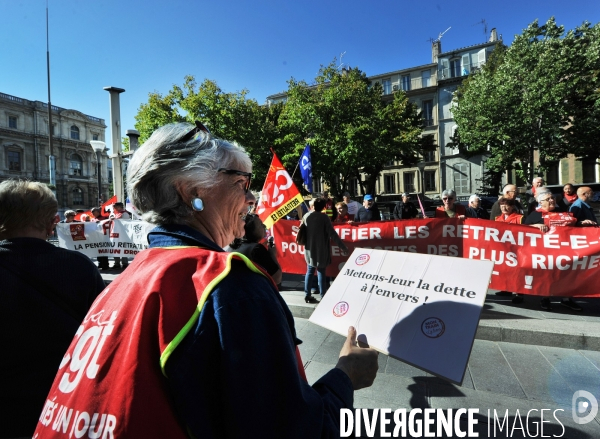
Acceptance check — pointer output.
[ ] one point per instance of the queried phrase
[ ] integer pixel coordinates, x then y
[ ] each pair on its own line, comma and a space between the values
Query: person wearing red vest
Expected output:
450, 209
509, 213
343, 216
194, 341
544, 218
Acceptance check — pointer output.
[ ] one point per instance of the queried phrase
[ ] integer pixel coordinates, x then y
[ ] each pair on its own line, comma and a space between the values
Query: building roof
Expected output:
474, 46
408, 69
23, 101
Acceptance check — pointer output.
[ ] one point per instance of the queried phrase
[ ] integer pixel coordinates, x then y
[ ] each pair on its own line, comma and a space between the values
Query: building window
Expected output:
455, 69
14, 161
588, 168
466, 65
76, 166
429, 156
427, 113
426, 78
109, 169
461, 178
406, 82
409, 182
74, 133
552, 172
389, 183
430, 181
77, 197
12, 122
387, 86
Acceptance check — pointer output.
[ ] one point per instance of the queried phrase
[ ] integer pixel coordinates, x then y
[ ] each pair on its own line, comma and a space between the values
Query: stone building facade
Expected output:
431, 87
25, 151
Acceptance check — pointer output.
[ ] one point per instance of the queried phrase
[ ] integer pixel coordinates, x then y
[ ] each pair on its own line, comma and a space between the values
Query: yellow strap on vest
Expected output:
209, 288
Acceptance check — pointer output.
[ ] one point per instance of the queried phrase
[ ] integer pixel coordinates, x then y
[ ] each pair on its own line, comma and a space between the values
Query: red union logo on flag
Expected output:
279, 195
273, 192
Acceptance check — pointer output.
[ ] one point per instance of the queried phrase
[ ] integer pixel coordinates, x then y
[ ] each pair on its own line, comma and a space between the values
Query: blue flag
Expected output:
306, 168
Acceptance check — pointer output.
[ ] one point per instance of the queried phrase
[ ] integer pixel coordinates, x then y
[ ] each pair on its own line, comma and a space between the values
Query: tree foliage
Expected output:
541, 93
228, 115
349, 127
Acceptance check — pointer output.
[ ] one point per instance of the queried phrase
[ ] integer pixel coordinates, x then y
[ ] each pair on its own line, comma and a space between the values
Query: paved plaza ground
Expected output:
524, 360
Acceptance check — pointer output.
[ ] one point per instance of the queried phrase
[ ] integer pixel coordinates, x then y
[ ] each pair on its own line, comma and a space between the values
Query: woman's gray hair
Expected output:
163, 163
449, 193
25, 204
541, 193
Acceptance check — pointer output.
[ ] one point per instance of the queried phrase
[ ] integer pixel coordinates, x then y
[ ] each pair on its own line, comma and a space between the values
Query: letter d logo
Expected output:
582, 406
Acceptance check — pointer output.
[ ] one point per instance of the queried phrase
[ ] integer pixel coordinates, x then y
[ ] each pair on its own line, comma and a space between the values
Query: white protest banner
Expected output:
421, 309
119, 238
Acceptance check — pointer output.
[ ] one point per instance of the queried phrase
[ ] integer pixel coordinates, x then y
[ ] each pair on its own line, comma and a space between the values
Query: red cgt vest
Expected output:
111, 381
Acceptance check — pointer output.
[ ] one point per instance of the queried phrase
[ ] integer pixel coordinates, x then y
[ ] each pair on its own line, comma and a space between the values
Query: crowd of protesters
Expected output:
98, 214
150, 367
540, 209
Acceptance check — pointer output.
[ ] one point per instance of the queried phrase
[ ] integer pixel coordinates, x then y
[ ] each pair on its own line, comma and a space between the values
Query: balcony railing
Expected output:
11, 98
456, 71
413, 84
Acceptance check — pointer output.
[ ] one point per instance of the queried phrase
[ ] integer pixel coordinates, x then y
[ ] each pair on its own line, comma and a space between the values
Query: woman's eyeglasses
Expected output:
447, 198
236, 172
197, 129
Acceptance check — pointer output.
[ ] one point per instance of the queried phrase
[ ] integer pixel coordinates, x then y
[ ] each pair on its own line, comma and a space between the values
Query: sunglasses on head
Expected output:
197, 129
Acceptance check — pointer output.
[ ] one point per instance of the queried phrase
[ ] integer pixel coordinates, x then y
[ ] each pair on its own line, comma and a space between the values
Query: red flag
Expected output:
105, 206
79, 215
279, 195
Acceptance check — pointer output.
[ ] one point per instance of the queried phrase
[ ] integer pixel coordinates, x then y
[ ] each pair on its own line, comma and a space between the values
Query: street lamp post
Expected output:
99, 148
115, 128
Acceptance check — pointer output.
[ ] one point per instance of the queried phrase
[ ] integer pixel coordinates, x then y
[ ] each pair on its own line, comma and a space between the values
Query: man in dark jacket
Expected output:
368, 212
405, 209
582, 210
474, 210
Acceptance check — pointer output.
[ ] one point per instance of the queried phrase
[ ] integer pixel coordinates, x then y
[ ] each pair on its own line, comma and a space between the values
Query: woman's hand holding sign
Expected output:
358, 361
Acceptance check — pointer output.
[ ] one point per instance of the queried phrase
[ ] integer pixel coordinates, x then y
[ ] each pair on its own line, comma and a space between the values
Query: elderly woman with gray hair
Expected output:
450, 209
195, 341
544, 217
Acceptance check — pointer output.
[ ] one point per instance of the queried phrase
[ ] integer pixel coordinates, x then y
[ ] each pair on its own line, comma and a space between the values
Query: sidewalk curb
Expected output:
574, 335
560, 331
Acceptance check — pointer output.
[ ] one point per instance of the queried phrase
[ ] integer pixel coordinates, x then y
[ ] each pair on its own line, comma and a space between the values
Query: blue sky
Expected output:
145, 46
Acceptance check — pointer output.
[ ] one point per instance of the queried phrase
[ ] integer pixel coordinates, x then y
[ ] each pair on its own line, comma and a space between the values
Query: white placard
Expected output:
114, 238
421, 309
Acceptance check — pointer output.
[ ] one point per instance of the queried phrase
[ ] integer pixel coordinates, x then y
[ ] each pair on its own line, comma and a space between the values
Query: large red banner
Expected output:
562, 262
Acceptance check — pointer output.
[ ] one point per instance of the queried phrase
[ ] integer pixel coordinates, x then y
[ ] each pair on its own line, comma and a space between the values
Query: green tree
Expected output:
350, 129
532, 96
228, 115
